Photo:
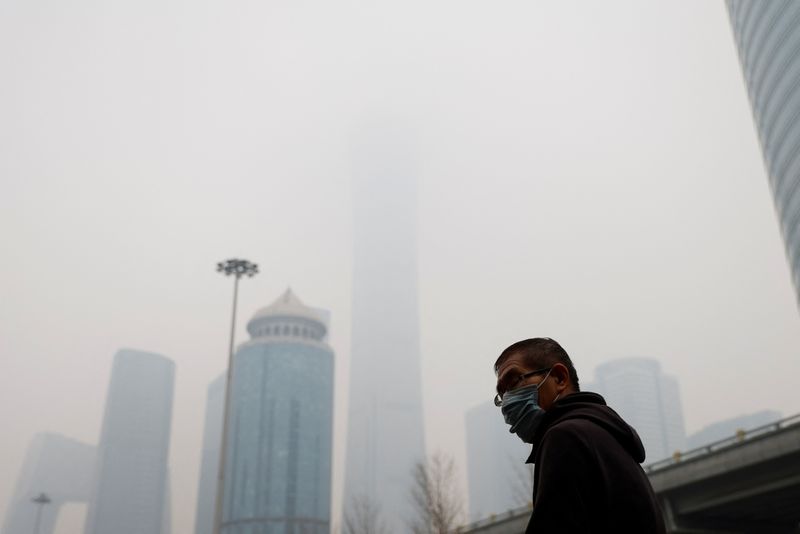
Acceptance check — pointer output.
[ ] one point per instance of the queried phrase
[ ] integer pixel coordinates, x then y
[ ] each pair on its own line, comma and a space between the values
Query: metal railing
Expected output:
513, 513
739, 437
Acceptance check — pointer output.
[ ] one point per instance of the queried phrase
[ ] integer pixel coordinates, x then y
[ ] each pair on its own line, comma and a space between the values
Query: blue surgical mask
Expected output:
521, 410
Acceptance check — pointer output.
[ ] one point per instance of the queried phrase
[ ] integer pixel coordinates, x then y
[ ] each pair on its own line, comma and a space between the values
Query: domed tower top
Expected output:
288, 317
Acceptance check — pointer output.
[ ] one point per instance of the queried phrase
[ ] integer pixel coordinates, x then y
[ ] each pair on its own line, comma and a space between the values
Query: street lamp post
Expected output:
237, 268
40, 501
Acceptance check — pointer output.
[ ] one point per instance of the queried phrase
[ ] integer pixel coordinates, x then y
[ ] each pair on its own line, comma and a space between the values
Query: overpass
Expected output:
748, 483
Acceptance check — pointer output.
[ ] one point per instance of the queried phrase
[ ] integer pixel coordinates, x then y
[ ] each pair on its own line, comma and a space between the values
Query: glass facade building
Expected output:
278, 465
767, 35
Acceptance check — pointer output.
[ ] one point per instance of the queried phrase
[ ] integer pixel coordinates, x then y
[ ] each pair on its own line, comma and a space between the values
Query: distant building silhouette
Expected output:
727, 428
278, 465
647, 399
385, 435
767, 35
58, 466
209, 460
497, 475
130, 478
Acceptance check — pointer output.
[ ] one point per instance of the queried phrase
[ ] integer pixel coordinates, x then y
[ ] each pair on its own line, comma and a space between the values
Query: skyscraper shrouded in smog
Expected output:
385, 424
130, 480
278, 464
59, 467
498, 478
209, 460
647, 399
728, 428
767, 35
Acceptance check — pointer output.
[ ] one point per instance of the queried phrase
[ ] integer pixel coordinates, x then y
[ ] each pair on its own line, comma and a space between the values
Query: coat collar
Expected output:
561, 408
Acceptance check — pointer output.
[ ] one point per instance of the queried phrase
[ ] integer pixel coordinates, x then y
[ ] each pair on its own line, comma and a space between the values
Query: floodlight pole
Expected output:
237, 268
40, 501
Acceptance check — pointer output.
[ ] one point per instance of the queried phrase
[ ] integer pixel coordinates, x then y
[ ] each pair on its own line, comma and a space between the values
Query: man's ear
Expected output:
560, 375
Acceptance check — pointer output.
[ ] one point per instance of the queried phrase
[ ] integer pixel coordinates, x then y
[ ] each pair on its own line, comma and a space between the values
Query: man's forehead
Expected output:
511, 364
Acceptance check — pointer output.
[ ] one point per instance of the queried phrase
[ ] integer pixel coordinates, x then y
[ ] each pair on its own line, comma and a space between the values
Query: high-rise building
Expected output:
497, 475
57, 466
727, 428
209, 460
130, 486
385, 425
767, 35
278, 464
647, 399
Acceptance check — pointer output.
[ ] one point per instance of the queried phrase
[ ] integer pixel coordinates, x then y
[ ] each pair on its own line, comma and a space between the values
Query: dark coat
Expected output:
588, 478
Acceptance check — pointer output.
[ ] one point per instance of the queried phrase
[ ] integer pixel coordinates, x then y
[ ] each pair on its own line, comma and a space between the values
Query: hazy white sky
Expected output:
588, 171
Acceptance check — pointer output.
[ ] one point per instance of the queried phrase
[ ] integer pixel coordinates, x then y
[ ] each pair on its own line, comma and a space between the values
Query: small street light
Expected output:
40, 501
237, 268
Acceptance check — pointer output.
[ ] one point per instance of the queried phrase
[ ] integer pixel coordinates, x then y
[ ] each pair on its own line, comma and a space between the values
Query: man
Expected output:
587, 478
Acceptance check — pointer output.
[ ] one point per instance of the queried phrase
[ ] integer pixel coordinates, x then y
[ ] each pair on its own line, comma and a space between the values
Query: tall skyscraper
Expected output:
767, 35
130, 484
278, 465
497, 475
385, 425
647, 399
57, 466
209, 460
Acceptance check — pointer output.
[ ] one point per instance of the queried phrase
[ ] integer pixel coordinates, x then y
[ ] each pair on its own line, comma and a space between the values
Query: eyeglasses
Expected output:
498, 399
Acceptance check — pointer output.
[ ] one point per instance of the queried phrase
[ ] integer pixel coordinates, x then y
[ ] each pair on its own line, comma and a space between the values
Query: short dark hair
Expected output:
540, 352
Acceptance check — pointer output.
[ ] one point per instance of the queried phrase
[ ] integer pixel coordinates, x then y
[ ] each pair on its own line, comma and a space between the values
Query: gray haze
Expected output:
587, 171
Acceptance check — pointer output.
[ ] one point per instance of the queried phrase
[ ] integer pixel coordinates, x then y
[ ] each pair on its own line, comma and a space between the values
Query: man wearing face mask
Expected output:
587, 476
